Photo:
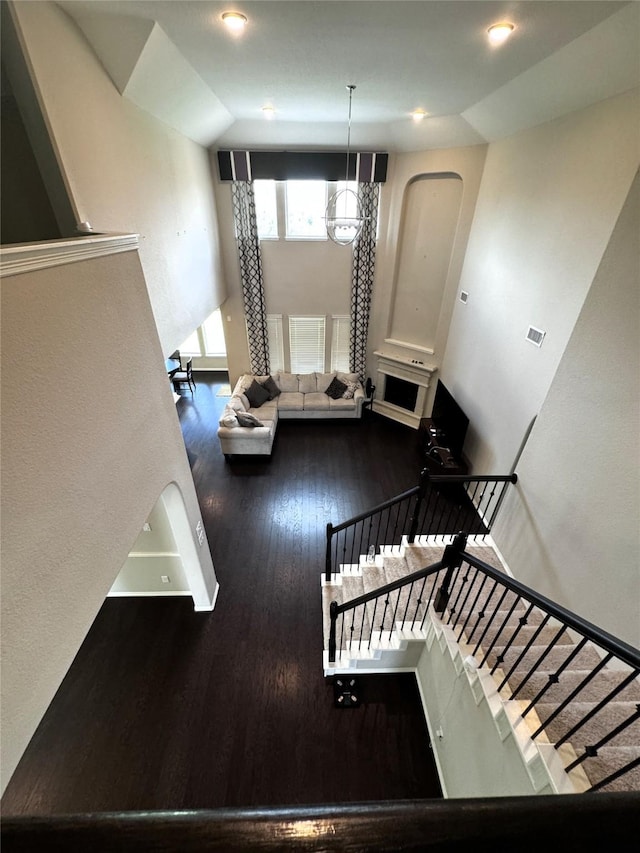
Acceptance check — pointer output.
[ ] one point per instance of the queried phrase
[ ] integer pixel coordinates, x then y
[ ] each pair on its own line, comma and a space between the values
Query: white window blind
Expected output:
306, 344
340, 343
276, 348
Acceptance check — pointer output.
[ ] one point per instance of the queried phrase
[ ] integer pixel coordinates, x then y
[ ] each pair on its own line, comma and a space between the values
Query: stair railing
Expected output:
438, 505
469, 595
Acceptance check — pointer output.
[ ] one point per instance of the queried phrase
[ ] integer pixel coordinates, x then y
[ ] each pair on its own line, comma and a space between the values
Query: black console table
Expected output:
432, 444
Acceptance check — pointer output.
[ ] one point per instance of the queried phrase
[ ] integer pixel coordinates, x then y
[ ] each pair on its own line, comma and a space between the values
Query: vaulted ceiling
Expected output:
176, 59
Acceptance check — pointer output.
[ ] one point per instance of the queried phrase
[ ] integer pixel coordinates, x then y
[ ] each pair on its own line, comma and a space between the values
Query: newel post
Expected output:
422, 490
452, 559
333, 613
327, 559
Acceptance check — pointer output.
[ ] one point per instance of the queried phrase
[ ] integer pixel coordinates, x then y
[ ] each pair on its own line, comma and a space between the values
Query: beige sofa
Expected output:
299, 395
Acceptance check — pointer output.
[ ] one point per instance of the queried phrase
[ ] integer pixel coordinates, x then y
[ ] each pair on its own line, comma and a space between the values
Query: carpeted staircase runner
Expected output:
515, 662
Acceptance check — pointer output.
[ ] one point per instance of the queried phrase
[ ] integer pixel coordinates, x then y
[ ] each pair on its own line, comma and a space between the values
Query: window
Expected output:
207, 339
306, 344
266, 209
340, 343
192, 345
276, 348
306, 202
213, 333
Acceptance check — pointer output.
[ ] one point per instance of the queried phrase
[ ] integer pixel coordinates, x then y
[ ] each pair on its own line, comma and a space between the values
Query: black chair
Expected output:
184, 376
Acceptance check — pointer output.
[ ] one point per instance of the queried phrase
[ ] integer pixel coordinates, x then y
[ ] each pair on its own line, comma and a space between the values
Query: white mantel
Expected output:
410, 370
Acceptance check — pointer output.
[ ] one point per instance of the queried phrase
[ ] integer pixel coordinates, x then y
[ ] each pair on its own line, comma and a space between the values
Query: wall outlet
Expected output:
165, 578
200, 533
146, 527
439, 734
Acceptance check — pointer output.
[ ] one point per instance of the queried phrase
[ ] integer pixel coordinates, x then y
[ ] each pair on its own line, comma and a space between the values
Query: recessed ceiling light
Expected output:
418, 115
235, 21
499, 33
268, 111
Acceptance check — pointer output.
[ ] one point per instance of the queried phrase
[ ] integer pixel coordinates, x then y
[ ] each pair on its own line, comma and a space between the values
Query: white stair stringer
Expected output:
395, 651
542, 762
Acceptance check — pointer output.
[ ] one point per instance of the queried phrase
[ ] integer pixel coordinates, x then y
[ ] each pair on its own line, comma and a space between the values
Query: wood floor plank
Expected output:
164, 708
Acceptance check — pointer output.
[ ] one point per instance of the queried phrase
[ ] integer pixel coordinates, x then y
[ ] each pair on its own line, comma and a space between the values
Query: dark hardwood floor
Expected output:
164, 708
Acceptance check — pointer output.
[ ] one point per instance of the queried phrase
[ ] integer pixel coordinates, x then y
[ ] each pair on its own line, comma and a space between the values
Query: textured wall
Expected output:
571, 528
90, 439
548, 202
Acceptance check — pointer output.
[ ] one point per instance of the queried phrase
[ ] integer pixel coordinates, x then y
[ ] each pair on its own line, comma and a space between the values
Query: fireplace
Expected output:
401, 390
401, 393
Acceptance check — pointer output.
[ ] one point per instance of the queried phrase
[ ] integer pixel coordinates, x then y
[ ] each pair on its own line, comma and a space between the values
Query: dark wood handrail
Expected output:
376, 509
381, 591
469, 478
526, 824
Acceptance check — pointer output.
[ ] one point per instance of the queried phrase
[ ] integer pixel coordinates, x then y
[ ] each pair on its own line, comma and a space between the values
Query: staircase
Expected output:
573, 689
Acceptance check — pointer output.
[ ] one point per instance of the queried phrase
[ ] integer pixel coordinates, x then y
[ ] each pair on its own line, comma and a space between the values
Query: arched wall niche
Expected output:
165, 559
429, 220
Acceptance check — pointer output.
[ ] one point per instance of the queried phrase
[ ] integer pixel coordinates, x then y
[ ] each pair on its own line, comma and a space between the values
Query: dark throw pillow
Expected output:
336, 389
256, 394
270, 386
246, 419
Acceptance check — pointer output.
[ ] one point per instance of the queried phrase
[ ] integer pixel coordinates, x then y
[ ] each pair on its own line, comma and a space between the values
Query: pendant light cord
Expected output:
350, 87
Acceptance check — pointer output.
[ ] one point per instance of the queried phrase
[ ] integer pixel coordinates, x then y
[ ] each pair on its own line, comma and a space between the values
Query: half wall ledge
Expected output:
19, 258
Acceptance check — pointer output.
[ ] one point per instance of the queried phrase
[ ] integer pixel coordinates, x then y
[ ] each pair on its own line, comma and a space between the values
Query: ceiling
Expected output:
176, 60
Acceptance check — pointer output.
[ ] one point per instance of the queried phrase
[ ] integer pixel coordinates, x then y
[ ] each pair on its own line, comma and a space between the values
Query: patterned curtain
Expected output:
244, 213
364, 261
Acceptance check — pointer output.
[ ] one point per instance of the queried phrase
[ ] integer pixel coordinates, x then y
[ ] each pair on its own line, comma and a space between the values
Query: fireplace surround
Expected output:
401, 389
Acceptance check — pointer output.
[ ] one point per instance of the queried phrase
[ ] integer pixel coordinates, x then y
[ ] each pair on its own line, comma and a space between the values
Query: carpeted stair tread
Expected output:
486, 554
598, 727
595, 690
607, 761
470, 602
524, 635
585, 659
420, 556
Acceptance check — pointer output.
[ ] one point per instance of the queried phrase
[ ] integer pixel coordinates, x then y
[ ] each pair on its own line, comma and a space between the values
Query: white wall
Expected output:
90, 440
128, 172
404, 170
476, 753
571, 529
548, 203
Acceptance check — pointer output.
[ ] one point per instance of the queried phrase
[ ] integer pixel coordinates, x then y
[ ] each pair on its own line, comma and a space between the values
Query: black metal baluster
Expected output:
623, 770
495, 612
483, 611
395, 611
500, 629
373, 620
521, 622
554, 678
473, 606
406, 609
535, 666
364, 613
454, 610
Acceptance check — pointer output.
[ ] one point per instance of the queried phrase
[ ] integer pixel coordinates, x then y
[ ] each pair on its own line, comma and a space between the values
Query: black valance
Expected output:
365, 167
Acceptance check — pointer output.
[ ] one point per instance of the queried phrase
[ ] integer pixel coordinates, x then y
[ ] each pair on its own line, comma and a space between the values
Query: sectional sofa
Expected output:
249, 421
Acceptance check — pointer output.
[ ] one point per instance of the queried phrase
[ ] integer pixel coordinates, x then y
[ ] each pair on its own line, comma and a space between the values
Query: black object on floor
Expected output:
347, 691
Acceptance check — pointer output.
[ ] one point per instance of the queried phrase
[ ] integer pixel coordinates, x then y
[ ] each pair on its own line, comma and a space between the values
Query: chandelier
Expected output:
343, 215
